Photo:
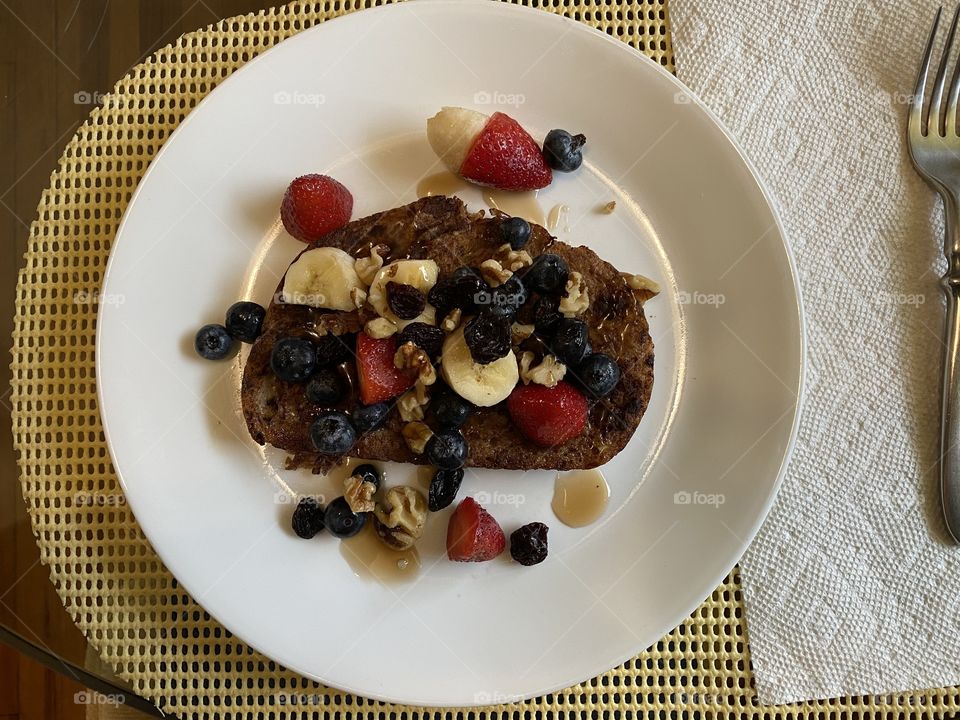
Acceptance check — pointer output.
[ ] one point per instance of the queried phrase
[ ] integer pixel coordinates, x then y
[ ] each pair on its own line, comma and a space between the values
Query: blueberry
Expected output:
548, 274
325, 387
341, 521
515, 231
245, 320
213, 342
598, 374
293, 359
569, 343
444, 488
562, 151
367, 473
332, 433
465, 271
369, 417
307, 518
528, 544
451, 410
447, 449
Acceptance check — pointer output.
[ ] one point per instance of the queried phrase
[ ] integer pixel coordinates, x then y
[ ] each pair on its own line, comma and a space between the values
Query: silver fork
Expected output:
934, 145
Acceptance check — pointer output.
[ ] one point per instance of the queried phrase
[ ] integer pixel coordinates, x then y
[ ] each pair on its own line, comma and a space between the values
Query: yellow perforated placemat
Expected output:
109, 578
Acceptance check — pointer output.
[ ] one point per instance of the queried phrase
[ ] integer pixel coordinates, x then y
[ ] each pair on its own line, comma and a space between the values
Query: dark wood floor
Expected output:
53, 55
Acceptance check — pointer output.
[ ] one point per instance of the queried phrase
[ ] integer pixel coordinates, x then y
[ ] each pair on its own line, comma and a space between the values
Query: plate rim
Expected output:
769, 200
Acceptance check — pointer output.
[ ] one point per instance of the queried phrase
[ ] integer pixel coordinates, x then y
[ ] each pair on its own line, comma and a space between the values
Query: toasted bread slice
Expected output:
441, 228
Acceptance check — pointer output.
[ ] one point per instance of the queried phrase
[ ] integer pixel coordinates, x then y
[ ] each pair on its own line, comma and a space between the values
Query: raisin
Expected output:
512, 293
546, 315
405, 301
426, 337
444, 488
307, 518
463, 289
488, 337
528, 544
334, 349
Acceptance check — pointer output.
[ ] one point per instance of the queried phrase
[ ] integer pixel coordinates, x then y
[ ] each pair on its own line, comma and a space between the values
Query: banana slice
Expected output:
421, 274
483, 385
451, 133
323, 278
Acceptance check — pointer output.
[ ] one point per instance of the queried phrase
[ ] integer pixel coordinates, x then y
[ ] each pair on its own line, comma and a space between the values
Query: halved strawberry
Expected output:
379, 378
505, 156
548, 416
473, 535
315, 205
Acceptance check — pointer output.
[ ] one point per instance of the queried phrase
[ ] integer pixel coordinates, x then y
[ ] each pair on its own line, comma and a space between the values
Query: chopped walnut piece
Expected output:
358, 297
452, 321
514, 260
416, 435
400, 519
641, 282
412, 402
415, 363
494, 273
548, 373
422, 393
520, 332
359, 494
379, 328
577, 299
368, 267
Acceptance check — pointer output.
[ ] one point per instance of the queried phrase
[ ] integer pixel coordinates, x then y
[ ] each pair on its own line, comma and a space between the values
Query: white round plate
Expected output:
350, 98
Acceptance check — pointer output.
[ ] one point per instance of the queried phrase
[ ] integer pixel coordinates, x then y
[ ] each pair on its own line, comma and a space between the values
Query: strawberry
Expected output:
473, 535
548, 416
315, 205
505, 156
380, 380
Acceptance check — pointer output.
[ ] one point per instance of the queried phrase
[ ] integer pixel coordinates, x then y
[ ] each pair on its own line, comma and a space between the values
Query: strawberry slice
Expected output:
473, 535
548, 416
315, 205
380, 380
505, 156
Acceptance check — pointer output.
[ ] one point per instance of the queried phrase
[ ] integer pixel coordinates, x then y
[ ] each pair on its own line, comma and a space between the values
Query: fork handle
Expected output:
950, 411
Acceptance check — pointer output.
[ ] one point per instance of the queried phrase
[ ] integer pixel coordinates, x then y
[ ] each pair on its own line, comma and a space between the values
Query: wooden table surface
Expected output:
56, 58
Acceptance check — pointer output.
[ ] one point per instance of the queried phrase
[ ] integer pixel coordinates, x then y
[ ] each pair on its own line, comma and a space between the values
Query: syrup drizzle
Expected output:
370, 559
580, 497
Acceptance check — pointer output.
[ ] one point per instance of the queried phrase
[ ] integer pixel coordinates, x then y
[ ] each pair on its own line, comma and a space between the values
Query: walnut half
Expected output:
399, 521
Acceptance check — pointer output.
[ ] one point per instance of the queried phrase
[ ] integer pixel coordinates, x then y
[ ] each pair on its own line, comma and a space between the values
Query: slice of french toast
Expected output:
441, 228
